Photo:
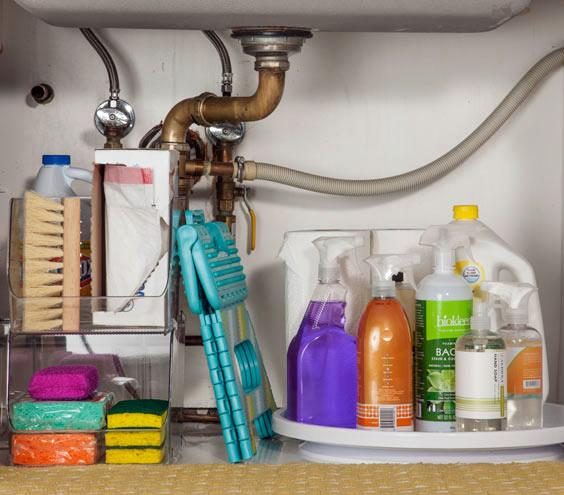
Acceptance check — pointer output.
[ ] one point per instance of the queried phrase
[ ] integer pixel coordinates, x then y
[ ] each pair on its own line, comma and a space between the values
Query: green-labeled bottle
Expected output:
443, 311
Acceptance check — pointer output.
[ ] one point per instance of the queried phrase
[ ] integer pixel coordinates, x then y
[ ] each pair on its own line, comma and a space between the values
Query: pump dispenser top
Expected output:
444, 242
330, 250
481, 313
515, 296
384, 267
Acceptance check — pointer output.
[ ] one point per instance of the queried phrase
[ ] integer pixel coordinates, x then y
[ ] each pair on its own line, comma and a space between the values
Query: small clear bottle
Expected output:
480, 375
523, 356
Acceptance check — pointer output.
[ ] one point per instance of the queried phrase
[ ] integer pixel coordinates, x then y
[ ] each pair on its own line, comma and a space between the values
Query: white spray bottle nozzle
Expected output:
384, 267
330, 250
445, 241
515, 296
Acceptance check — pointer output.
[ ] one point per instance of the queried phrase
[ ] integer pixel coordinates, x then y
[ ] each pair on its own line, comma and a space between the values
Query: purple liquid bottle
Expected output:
322, 371
321, 361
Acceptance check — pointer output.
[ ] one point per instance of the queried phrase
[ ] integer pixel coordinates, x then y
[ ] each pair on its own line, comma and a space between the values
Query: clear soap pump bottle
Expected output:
524, 349
480, 373
321, 360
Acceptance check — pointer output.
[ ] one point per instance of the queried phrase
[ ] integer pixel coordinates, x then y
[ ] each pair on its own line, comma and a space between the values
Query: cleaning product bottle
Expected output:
56, 175
480, 373
54, 180
443, 310
523, 355
405, 292
490, 256
321, 361
385, 377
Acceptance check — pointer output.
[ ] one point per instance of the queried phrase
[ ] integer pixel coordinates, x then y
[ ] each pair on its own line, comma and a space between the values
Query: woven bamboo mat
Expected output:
292, 479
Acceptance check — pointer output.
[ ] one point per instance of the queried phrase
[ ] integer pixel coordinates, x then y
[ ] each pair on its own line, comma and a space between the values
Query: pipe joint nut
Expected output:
199, 109
273, 61
239, 169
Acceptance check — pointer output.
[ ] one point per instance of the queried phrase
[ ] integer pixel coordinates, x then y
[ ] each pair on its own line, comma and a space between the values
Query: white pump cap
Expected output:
481, 313
384, 267
515, 296
330, 250
444, 241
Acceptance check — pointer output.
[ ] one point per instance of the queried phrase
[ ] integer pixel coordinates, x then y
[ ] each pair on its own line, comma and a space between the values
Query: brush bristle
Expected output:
41, 203
49, 291
41, 253
42, 277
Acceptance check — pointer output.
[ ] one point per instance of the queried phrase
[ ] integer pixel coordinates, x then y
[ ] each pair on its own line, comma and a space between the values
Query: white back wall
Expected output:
356, 106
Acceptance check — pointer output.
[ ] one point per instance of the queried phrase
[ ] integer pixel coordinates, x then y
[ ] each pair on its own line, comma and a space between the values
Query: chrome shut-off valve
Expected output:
114, 115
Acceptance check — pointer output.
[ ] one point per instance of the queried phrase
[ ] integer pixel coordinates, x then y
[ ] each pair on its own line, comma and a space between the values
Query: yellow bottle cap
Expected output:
465, 212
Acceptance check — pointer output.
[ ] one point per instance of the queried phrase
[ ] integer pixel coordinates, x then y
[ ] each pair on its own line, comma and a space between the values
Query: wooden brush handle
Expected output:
71, 264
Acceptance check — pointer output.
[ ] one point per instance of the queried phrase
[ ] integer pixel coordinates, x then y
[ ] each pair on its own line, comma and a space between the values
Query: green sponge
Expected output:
144, 413
30, 415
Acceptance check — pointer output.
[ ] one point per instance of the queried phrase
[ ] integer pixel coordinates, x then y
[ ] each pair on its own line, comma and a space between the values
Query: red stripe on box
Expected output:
119, 174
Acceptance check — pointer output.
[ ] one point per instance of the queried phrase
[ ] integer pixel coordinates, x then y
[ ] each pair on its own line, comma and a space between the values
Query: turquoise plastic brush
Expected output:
215, 286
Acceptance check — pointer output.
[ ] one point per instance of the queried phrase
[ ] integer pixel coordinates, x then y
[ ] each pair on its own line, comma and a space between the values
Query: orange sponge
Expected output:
48, 449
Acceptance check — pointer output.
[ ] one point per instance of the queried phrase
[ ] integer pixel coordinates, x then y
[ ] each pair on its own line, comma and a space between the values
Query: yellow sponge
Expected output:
140, 438
134, 456
144, 413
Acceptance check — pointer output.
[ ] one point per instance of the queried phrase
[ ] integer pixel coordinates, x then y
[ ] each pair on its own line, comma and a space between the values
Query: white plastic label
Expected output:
480, 384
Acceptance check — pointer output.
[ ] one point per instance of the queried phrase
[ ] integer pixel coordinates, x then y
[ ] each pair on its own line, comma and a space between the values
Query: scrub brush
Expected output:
51, 286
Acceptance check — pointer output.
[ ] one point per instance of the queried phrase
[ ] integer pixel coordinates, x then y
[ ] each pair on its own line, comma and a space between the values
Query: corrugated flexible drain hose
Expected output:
421, 176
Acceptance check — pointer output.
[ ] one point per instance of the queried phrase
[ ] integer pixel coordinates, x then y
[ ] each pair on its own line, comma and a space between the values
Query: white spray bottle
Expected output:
443, 310
523, 355
491, 256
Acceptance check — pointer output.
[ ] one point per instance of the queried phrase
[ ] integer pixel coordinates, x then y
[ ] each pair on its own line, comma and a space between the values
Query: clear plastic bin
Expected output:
117, 314
129, 367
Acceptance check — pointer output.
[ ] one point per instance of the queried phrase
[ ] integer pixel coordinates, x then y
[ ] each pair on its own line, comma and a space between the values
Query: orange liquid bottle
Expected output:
384, 352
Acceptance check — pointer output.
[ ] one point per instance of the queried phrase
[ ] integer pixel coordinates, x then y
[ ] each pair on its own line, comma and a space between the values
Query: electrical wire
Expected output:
154, 131
227, 73
106, 59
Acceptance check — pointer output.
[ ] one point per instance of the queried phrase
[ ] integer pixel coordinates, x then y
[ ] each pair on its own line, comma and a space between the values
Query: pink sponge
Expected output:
64, 383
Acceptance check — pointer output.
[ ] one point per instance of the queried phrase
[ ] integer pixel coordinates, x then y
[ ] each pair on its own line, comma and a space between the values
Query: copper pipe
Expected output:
194, 415
208, 109
113, 139
198, 168
225, 187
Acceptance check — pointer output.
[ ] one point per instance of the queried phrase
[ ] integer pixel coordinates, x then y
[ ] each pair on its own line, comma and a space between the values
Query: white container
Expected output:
496, 261
301, 266
345, 445
301, 259
55, 177
152, 312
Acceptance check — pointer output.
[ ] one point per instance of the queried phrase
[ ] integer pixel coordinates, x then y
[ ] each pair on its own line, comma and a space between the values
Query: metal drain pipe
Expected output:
271, 48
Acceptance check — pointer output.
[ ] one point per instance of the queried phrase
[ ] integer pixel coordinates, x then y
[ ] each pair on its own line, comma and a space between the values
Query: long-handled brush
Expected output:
51, 232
